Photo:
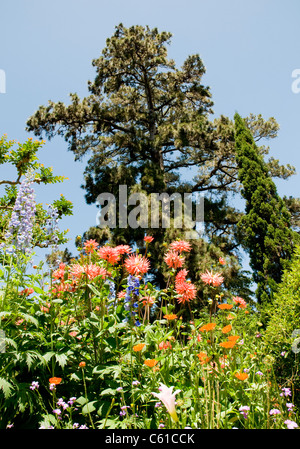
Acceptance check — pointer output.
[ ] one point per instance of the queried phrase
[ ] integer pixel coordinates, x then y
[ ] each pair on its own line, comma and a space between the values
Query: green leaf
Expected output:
30, 319
49, 420
6, 387
114, 369
103, 409
94, 290
4, 314
38, 290
88, 408
81, 400
48, 355
10, 342
61, 359
108, 391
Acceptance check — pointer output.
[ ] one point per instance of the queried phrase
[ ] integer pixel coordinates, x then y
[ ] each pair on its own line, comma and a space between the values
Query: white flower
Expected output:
168, 398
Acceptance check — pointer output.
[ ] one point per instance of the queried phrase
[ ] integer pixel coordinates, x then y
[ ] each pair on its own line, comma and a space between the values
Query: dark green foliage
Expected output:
266, 226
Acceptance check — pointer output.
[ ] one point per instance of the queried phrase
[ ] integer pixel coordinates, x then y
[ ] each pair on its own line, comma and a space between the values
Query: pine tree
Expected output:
266, 225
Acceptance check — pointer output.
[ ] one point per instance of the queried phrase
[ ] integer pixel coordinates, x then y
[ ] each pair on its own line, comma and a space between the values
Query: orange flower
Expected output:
136, 265
230, 317
186, 290
238, 300
148, 238
138, 347
90, 270
44, 309
108, 253
55, 380
233, 338
203, 358
227, 329
73, 333
150, 362
222, 261
241, 376
225, 306
81, 365
26, 291
90, 246
123, 249
227, 344
180, 276
180, 246
173, 259
148, 300
121, 294
164, 345
171, 316
207, 327
212, 278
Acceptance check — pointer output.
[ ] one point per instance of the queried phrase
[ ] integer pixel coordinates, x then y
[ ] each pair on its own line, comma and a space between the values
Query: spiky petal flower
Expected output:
90, 246
90, 270
112, 255
123, 249
181, 276
148, 238
137, 265
167, 396
60, 272
173, 259
186, 291
180, 246
239, 301
212, 278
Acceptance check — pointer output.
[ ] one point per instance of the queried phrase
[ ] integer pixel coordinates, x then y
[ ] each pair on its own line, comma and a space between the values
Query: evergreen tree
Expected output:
266, 225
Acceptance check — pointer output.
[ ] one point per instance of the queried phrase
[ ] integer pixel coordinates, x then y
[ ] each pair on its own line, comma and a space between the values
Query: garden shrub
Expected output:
283, 321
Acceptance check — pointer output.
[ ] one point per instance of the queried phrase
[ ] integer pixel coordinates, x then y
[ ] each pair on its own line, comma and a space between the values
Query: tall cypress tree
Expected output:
266, 225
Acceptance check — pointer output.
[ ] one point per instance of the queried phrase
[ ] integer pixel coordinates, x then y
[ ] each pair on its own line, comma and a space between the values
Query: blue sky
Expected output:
249, 49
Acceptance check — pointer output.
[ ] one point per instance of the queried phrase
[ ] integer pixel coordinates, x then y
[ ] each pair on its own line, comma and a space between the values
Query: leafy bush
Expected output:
283, 327
93, 343
93, 348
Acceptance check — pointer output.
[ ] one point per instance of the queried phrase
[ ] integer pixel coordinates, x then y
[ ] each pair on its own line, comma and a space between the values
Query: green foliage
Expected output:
74, 331
266, 226
282, 331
